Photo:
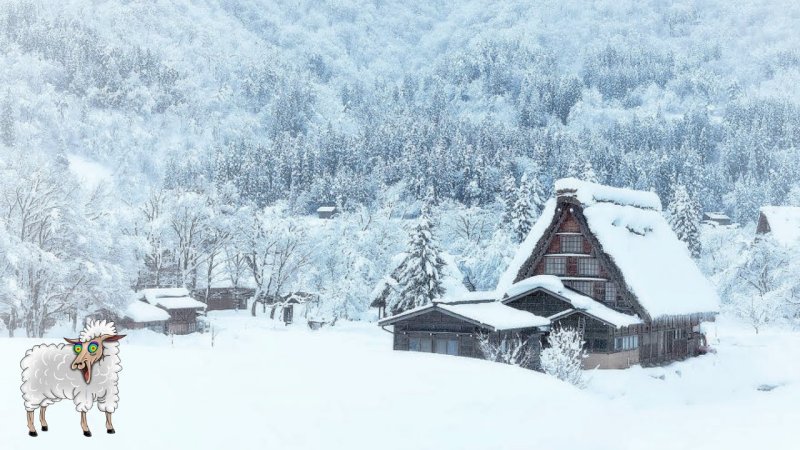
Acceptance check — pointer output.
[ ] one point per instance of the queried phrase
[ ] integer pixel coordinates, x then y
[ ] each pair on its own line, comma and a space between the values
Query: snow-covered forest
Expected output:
191, 142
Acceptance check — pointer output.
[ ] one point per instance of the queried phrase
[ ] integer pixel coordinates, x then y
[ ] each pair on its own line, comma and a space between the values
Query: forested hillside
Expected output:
216, 127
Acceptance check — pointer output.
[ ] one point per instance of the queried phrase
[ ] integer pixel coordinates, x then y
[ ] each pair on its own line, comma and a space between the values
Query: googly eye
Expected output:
93, 347
77, 348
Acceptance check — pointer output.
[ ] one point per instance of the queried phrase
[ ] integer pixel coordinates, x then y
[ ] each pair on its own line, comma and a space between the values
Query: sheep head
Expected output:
89, 352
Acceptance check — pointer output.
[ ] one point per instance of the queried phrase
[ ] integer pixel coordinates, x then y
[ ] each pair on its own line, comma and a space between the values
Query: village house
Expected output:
326, 212
782, 223
716, 218
181, 308
601, 260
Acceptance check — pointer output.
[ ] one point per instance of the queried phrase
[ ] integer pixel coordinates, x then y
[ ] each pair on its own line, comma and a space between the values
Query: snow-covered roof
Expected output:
139, 311
655, 265
326, 209
592, 193
171, 298
492, 315
716, 216
579, 302
784, 223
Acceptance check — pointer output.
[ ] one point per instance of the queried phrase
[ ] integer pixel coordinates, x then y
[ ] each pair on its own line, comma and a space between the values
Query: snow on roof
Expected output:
716, 216
171, 298
492, 314
784, 223
526, 247
579, 301
326, 209
655, 265
139, 311
591, 193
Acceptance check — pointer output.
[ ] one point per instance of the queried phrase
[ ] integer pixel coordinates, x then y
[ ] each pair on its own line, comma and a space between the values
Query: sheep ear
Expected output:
113, 338
73, 341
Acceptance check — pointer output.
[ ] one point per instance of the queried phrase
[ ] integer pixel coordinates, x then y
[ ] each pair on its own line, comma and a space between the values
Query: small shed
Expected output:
326, 212
182, 308
142, 315
717, 218
225, 298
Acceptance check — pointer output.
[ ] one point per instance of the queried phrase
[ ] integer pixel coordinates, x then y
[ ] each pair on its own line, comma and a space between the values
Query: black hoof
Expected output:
87, 433
32, 433
111, 431
44, 427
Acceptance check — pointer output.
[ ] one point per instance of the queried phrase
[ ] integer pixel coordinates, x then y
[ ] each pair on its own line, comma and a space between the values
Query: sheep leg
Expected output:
109, 425
85, 426
31, 427
42, 419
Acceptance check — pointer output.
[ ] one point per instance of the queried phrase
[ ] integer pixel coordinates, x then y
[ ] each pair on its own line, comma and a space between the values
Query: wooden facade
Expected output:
570, 251
227, 298
436, 332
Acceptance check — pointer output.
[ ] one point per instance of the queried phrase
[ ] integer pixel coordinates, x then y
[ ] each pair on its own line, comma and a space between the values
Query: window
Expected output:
588, 266
555, 265
572, 243
626, 342
418, 344
452, 347
440, 346
584, 287
611, 293
599, 344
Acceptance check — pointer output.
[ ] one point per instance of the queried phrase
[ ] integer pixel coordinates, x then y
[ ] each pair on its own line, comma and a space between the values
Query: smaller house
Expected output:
454, 328
716, 218
326, 212
225, 298
142, 315
182, 308
782, 223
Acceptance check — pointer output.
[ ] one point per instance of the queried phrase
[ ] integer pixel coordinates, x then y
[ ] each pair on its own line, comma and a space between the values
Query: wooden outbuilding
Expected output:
181, 307
716, 218
782, 223
327, 212
224, 298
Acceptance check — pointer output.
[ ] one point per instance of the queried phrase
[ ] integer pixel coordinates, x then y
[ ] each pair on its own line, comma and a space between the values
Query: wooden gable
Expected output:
569, 223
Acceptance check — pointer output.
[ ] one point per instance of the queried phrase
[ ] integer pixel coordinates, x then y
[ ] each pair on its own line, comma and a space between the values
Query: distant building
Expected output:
780, 222
139, 314
716, 218
176, 302
224, 298
601, 260
326, 212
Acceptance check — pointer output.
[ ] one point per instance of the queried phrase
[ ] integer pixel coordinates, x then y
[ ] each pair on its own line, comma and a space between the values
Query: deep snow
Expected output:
264, 385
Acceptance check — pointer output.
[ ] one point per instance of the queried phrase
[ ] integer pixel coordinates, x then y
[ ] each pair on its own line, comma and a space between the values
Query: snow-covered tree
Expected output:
684, 217
420, 273
523, 215
564, 355
7, 133
588, 173
512, 349
508, 198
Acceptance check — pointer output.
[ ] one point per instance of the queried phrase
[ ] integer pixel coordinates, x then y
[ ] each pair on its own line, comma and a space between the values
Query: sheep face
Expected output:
89, 352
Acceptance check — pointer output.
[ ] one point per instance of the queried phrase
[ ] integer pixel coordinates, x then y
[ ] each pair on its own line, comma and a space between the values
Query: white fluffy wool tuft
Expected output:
97, 328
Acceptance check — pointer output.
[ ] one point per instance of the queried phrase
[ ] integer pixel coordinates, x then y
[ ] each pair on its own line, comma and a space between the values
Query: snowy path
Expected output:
343, 388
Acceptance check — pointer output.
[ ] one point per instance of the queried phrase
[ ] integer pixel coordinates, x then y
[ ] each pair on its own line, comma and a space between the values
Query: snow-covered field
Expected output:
264, 385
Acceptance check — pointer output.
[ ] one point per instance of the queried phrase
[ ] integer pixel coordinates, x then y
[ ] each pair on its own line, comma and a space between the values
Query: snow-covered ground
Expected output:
264, 385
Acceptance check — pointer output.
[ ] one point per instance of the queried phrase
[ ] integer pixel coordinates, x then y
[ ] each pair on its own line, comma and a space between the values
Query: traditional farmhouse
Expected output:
604, 261
326, 212
716, 218
182, 308
782, 223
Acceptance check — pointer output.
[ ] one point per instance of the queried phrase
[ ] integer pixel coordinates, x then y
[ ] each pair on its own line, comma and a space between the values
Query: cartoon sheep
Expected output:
85, 371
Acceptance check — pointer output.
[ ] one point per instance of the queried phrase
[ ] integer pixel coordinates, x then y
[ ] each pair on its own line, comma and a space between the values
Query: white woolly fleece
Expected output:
47, 376
96, 328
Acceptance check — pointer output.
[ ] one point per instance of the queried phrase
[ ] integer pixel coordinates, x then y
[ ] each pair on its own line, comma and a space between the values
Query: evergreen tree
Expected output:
537, 195
685, 219
7, 134
420, 273
588, 173
523, 214
508, 196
